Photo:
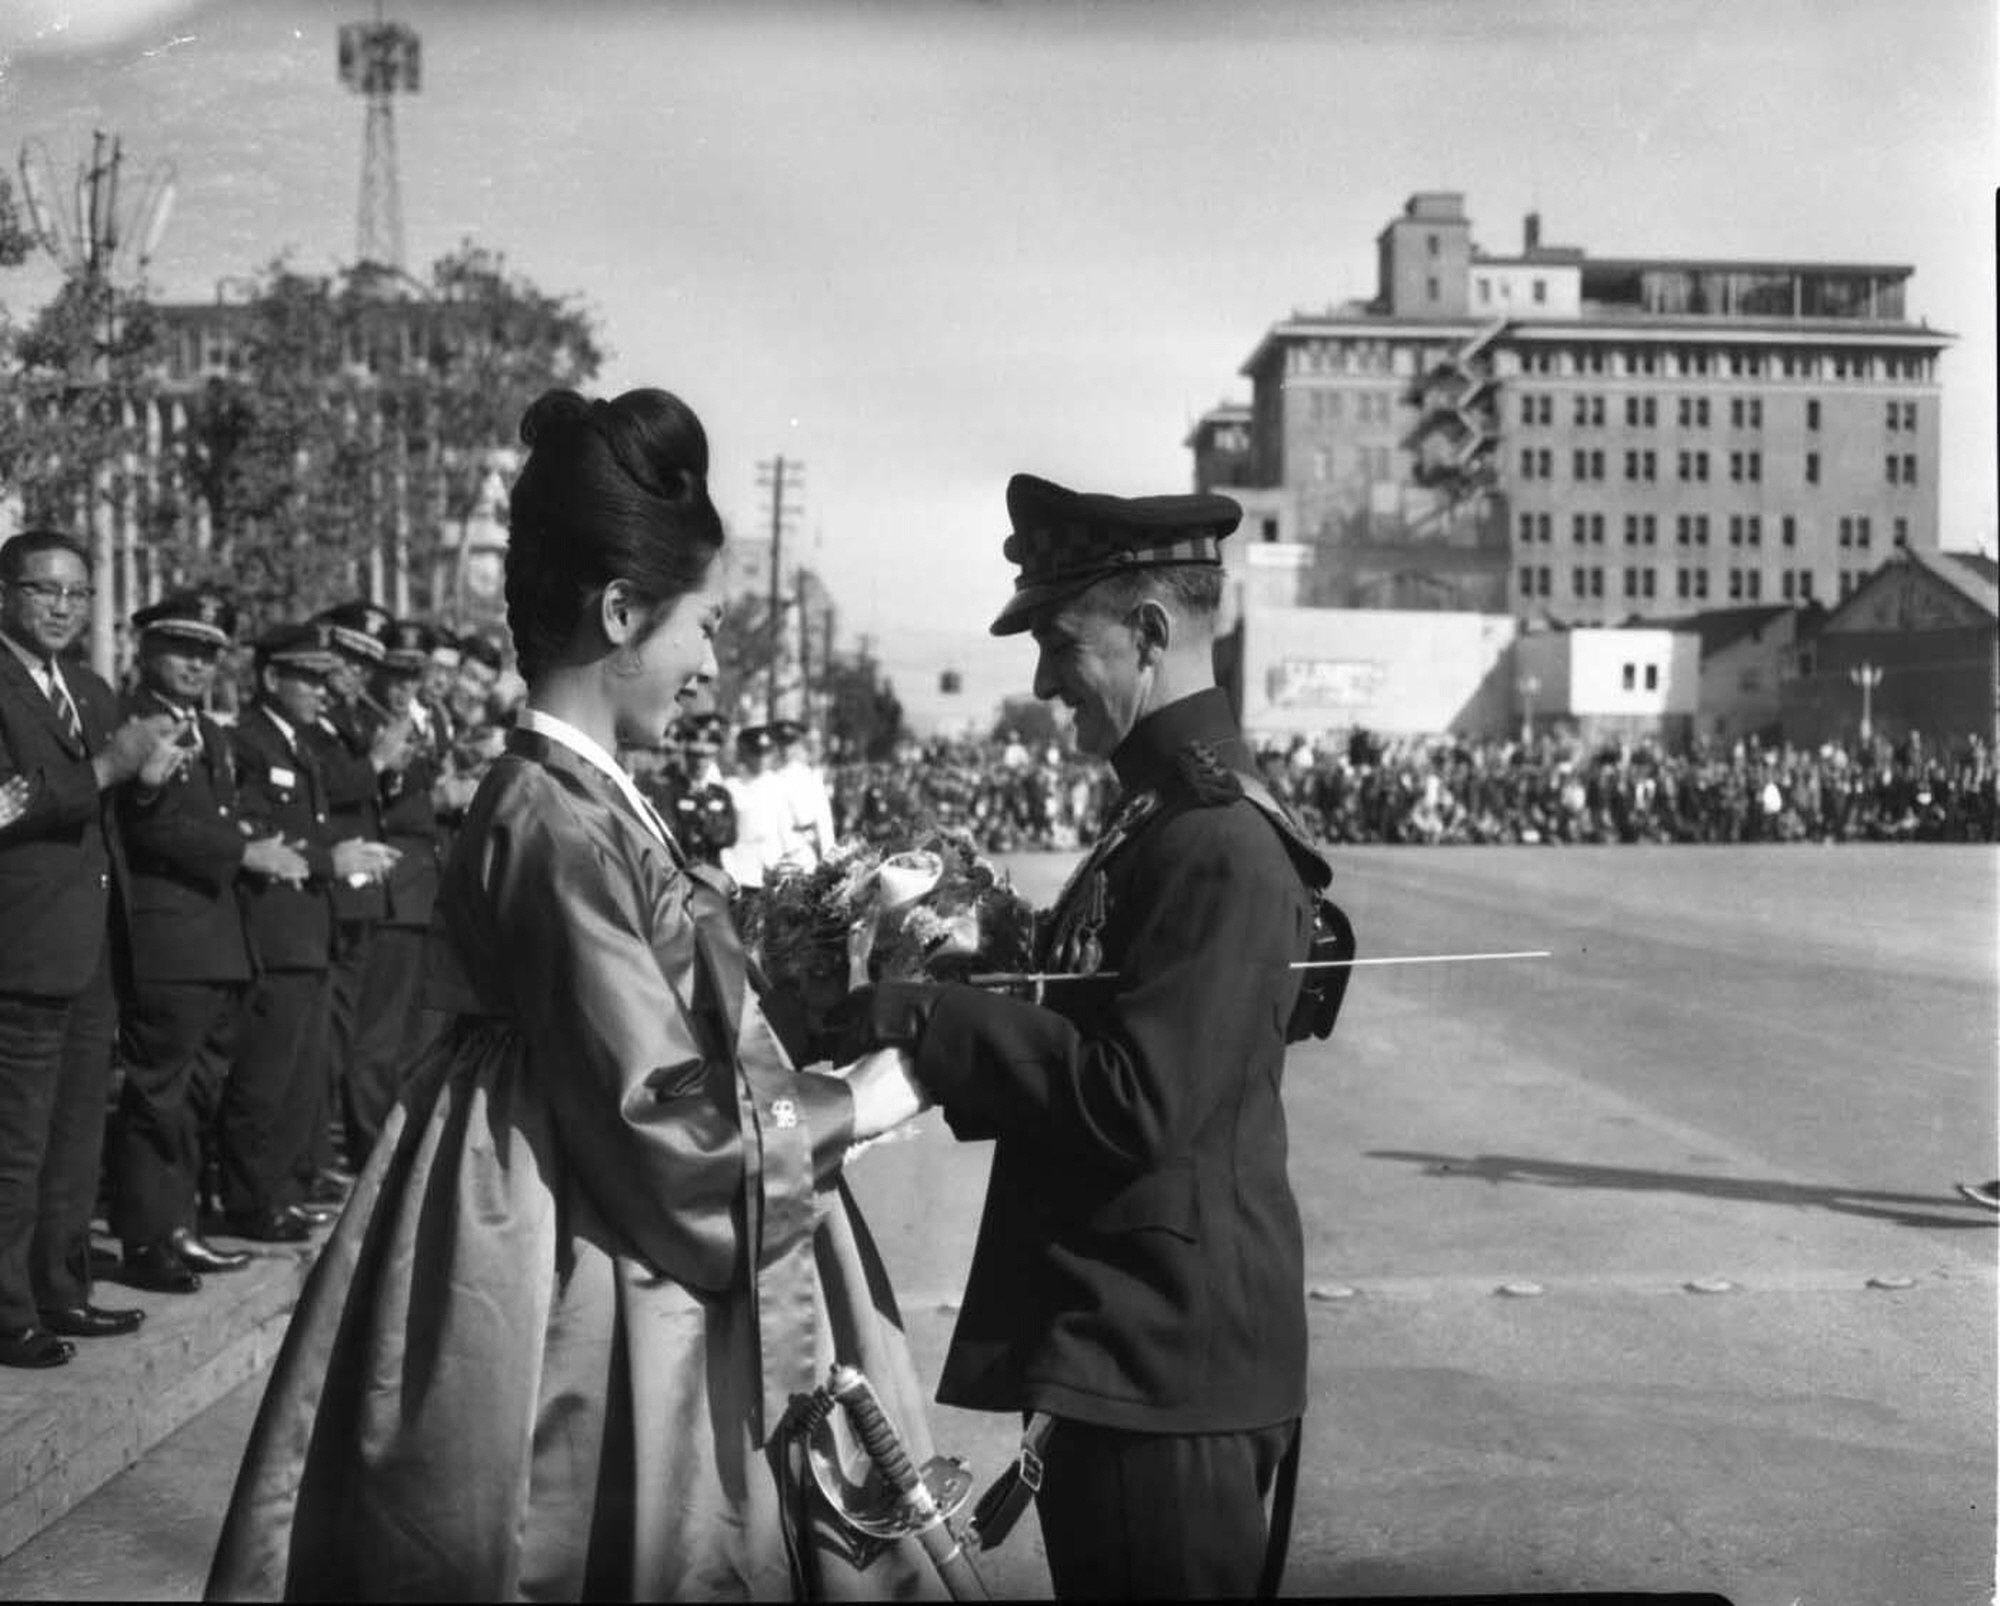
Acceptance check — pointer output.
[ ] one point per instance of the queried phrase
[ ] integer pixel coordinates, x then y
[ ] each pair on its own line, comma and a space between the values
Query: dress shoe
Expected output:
314, 1214
87, 1321
158, 1269
200, 1255
270, 1227
34, 1346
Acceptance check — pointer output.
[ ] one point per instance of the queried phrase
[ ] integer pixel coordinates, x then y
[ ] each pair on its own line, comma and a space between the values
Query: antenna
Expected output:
380, 60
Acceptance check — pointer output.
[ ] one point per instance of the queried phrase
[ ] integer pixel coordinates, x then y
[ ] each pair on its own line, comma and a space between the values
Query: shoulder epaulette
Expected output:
1206, 778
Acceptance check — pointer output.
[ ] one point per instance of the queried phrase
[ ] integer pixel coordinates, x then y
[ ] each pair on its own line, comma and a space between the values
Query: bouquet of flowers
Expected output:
933, 910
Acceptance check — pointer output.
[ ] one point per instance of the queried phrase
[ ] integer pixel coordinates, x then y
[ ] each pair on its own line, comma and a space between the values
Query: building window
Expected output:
1646, 583
1485, 289
1541, 291
1527, 527
1812, 468
1736, 467
1431, 244
1753, 530
1735, 585
1910, 416
1789, 530
1902, 532
1890, 465
1546, 457
1270, 529
1631, 465
1545, 587
1812, 413
1701, 412
1527, 409
1545, 523
1631, 582
1686, 465
1895, 419
1687, 412
1579, 528
1861, 530
1789, 581
1754, 462
1431, 287
1527, 465
1597, 582
1631, 529
1846, 530
1630, 678
1597, 529
1650, 412
1909, 468
1651, 526
1649, 466
1631, 412
1579, 464
1682, 525
1701, 529
1681, 583
1701, 585
1701, 466
1736, 529
1578, 584
1753, 585
1805, 585
1527, 581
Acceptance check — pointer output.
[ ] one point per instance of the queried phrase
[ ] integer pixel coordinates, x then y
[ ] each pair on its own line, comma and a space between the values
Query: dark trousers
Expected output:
177, 1040
275, 1094
1157, 1516
389, 1034
352, 940
55, 1080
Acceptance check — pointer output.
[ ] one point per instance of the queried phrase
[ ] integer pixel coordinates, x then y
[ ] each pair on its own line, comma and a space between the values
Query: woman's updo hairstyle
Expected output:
612, 490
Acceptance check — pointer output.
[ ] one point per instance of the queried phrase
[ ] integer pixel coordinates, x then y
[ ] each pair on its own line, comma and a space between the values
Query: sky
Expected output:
920, 245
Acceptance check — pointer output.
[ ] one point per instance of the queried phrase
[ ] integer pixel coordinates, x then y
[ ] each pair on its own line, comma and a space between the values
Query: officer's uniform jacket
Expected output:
280, 789
184, 844
61, 865
409, 823
1140, 1261
340, 743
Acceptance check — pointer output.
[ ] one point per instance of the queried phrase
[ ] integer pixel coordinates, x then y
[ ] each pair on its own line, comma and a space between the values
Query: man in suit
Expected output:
388, 1032
60, 870
356, 745
191, 959
274, 1096
1138, 1281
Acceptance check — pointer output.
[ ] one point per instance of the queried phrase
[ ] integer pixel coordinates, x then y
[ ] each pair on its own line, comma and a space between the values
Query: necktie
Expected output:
65, 709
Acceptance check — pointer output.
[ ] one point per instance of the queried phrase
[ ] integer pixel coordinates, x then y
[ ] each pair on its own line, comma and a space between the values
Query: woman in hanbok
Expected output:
603, 1250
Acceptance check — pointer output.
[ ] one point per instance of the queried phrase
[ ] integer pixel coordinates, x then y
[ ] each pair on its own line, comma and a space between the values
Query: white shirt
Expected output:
564, 734
46, 675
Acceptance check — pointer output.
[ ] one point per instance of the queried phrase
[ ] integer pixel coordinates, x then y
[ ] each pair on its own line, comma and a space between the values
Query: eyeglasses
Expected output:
51, 595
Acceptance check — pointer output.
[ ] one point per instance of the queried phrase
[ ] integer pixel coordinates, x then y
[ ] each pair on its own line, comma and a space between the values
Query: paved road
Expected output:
1716, 1131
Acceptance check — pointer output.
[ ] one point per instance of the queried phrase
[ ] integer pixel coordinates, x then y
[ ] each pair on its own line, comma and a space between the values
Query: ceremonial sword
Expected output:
1019, 978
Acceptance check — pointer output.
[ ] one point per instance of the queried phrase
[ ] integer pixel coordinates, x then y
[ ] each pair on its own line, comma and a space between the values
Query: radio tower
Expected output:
381, 60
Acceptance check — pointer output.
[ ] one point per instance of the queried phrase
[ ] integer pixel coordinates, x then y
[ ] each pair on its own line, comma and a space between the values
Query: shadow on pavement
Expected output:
1904, 1209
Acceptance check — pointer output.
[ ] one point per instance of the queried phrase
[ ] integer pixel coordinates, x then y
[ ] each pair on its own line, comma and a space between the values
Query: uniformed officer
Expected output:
274, 1097
191, 962
806, 829
1138, 1281
760, 809
388, 1030
356, 744
699, 804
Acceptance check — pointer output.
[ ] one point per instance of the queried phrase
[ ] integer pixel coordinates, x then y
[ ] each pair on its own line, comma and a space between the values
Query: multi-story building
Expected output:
1578, 439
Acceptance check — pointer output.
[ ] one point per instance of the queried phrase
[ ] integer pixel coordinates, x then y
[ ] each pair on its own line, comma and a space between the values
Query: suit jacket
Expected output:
60, 867
1140, 1262
339, 744
280, 789
184, 845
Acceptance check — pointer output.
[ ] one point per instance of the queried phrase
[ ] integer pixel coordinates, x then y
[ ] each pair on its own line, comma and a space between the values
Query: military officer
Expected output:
807, 819
274, 1095
357, 745
760, 809
388, 1025
191, 961
702, 812
1138, 1280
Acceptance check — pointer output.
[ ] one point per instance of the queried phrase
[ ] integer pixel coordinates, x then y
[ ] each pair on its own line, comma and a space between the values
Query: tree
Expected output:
1029, 719
864, 715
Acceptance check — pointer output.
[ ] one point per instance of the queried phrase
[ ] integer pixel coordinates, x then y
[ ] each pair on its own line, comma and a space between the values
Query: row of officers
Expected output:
237, 911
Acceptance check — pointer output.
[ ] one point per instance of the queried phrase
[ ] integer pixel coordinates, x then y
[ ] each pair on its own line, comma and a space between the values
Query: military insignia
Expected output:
1205, 775
1074, 939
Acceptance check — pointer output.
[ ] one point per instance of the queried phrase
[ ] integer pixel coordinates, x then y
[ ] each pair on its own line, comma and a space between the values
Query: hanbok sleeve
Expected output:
647, 1110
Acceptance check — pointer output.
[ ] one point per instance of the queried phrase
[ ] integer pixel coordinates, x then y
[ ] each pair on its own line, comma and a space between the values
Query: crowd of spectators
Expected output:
1555, 789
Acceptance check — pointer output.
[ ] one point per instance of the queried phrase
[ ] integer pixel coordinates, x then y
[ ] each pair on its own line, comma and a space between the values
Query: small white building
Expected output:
1629, 682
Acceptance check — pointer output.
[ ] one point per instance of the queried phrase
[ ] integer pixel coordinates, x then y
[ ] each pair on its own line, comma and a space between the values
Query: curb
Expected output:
66, 1432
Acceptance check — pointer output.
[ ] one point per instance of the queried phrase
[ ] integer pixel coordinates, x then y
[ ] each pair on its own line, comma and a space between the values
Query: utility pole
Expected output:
805, 653
778, 475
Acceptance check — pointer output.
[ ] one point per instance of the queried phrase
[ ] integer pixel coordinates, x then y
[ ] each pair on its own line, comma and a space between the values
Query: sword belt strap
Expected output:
1000, 1507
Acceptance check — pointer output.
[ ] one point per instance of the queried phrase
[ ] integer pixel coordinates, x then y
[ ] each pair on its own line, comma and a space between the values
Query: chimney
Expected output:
1531, 234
